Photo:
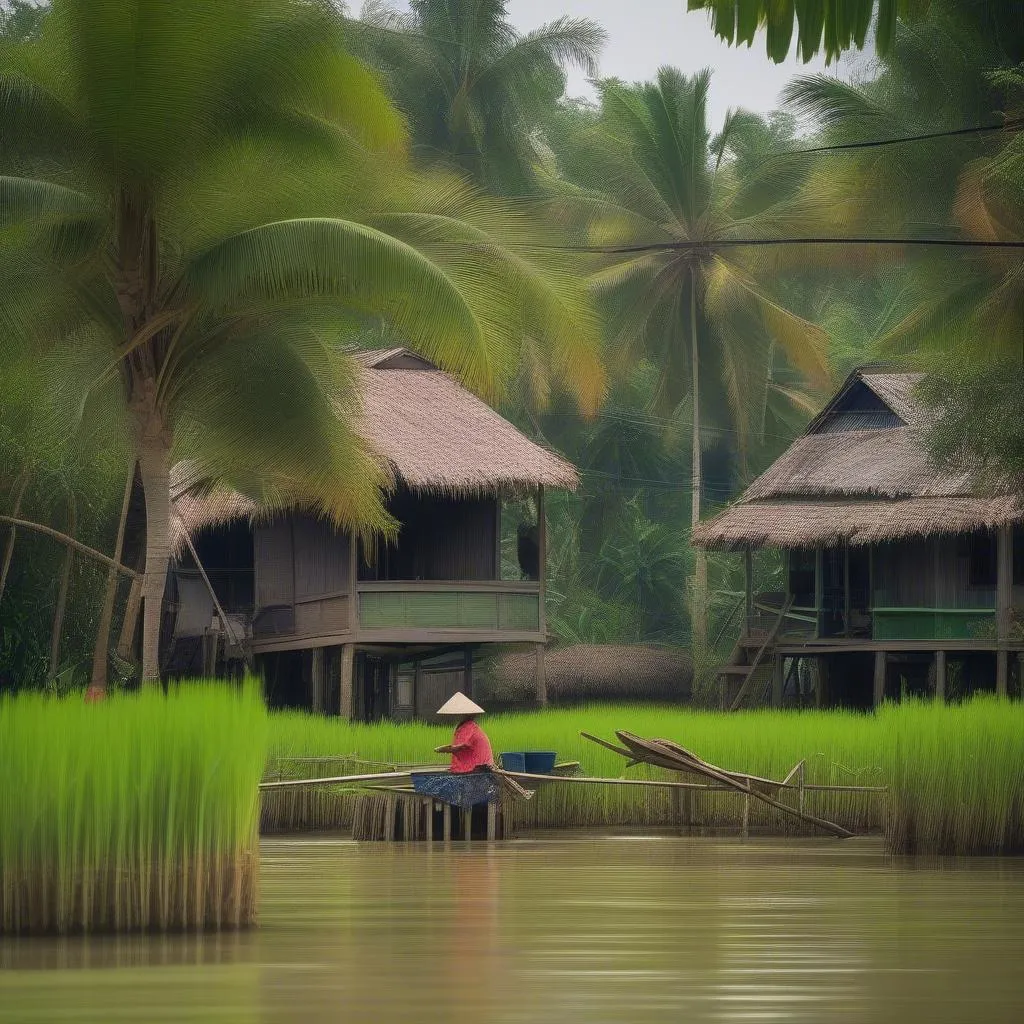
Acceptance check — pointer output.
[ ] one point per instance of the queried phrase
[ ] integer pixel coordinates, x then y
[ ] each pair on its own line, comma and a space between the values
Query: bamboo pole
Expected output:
5, 566
62, 592
63, 538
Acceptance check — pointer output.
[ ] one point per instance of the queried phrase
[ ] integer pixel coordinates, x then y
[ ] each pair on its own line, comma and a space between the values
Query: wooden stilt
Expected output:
1002, 672
778, 680
541, 676
492, 821
346, 702
467, 825
746, 816
880, 666
446, 823
940, 676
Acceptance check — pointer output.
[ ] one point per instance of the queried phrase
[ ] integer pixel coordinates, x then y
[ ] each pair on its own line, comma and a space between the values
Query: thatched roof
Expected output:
861, 474
430, 433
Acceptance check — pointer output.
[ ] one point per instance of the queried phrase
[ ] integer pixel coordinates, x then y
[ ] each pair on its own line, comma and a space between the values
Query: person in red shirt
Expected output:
470, 748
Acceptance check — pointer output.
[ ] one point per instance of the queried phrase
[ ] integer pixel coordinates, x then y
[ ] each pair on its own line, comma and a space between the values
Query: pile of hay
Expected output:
591, 672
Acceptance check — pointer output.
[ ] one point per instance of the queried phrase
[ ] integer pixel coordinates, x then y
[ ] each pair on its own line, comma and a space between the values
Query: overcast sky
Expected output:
645, 34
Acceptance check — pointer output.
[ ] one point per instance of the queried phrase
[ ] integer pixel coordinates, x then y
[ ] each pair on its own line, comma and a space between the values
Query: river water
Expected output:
619, 930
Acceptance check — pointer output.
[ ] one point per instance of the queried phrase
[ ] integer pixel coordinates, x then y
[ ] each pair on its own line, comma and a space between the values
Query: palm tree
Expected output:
661, 196
214, 194
475, 91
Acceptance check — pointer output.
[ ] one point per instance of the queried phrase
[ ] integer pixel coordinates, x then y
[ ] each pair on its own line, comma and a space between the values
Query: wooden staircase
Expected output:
753, 674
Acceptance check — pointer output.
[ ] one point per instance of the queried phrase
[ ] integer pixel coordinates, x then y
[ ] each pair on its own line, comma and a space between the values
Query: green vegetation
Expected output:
137, 813
955, 773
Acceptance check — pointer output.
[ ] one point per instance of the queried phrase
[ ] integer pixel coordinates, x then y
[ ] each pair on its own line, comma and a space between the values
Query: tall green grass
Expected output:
955, 772
136, 813
956, 775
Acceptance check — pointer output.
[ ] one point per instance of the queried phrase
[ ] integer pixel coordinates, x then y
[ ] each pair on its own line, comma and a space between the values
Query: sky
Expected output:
645, 34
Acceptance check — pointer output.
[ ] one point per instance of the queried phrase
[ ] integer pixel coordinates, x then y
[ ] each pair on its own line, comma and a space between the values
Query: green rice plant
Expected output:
956, 776
136, 813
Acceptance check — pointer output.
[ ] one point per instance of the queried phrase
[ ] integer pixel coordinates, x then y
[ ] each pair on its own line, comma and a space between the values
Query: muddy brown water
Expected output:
582, 929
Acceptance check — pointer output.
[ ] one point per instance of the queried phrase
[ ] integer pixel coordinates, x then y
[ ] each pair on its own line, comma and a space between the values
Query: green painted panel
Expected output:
478, 611
519, 612
449, 609
424, 610
380, 610
933, 623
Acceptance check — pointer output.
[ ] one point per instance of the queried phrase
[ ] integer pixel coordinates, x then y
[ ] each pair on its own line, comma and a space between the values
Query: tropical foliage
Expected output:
215, 194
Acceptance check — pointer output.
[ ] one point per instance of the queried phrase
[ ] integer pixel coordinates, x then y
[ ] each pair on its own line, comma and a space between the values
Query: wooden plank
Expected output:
940, 675
541, 676
542, 546
346, 701
879, 687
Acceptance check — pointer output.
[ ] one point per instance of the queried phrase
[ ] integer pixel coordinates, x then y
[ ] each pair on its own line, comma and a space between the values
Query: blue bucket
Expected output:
514, 762
540, 762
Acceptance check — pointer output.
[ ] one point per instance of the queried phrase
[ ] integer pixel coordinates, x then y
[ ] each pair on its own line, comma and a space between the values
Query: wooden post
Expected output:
846, 589
748, 573
316, 680
746, 816
467, 825
880, 666
346, 703
778, 680
940, 675
1004, 604
542, 561
819, 573
446, 822
541, 676
467, 671
492, 821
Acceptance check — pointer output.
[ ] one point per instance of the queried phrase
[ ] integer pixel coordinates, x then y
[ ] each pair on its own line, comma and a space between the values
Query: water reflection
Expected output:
621, 931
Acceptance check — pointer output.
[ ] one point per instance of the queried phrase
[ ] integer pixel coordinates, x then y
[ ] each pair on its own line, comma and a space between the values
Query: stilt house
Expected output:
388, 632
897, 577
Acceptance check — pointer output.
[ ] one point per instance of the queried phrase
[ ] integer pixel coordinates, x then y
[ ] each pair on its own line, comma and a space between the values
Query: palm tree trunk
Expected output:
101, 651
62, 593
5, 568
698, 606
154, 469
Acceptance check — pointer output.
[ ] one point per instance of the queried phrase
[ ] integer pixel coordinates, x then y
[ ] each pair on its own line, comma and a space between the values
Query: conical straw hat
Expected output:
460, 704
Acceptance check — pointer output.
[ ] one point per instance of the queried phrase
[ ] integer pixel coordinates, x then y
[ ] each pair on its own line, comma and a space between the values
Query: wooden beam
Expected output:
317, 680
778, 680
346, 702
1004, 604
70, 542
748, 575
541, 676
819, 573
880, 667
940, 675
542, 559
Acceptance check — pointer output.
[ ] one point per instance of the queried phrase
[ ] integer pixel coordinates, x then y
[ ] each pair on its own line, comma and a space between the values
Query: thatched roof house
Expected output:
885, 556
859, 475
335, 622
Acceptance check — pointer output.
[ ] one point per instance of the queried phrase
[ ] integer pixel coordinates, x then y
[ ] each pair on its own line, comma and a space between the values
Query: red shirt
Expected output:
478, 749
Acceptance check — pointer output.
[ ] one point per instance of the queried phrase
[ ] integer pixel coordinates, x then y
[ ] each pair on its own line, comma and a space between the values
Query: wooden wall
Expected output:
440, 539
303, 577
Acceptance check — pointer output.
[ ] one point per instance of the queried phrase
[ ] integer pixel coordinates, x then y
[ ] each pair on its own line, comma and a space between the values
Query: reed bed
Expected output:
957, 776
135, 814
955, 773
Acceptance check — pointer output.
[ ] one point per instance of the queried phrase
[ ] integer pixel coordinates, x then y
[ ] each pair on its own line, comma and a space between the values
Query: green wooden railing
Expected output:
485, 607
933, 623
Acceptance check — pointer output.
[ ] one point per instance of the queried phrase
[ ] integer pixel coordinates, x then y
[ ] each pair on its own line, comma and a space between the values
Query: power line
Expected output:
1011, 125
738, 243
